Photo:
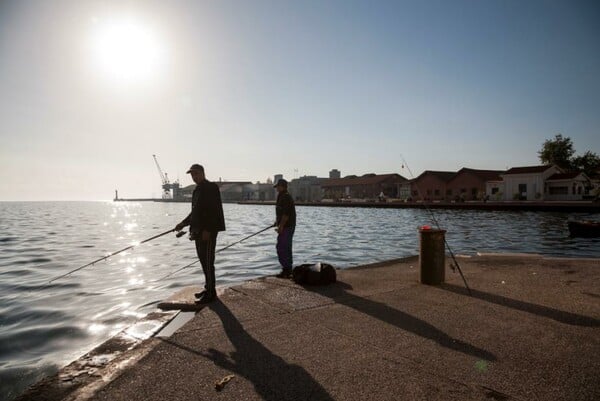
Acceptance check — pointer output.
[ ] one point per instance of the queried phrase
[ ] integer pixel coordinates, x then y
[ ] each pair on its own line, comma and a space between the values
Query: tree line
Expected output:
561, 152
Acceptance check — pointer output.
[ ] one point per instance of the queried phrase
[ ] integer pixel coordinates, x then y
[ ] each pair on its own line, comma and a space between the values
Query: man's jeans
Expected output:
284, 247
206, 254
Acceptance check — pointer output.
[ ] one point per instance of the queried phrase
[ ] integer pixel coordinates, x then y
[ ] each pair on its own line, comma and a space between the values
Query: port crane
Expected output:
166, 184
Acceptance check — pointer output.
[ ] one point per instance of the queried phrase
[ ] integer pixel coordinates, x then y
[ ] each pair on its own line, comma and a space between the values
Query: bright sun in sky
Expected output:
126, 51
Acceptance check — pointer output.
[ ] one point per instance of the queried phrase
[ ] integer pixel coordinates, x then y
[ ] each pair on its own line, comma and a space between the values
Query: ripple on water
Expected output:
32, 260
37, 340
17, 272
35, 291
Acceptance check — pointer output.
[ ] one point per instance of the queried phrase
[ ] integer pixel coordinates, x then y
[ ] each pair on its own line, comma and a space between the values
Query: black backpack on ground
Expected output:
314, 274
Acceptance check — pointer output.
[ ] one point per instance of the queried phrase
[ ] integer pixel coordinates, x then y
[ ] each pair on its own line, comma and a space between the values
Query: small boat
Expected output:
584, 228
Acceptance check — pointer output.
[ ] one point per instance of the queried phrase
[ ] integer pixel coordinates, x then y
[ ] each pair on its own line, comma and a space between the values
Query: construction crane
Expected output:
166, 184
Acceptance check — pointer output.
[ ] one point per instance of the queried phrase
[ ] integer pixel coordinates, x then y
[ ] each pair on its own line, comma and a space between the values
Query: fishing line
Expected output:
222, 249
179, 234
454, 266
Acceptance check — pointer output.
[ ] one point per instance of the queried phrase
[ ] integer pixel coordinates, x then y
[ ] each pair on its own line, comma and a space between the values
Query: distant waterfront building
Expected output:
368, 186
307, 188
237, 191
335, 173
567, 186
259, 192
527, 183
232, 191
430, 185
541, 183
544, 183
470, 184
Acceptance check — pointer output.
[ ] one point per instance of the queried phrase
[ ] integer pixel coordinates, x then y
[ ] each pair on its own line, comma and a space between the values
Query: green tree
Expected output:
558, 151
589, 163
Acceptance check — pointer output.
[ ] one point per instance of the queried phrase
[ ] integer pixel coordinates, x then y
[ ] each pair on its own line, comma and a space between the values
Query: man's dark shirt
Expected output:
285, 205
207, 209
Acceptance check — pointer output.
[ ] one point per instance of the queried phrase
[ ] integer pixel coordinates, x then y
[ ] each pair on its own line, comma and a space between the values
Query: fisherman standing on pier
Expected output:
205, 221
286, 224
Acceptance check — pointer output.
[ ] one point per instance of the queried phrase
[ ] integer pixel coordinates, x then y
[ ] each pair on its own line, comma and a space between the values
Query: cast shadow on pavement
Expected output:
273, 378
339, 293
544, 311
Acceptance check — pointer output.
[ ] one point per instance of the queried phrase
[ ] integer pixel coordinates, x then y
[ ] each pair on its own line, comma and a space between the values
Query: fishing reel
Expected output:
180, 234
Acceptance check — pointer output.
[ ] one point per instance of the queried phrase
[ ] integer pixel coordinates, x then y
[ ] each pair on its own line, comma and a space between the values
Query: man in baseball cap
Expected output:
195, 167
205, 221
285, 213
281, 182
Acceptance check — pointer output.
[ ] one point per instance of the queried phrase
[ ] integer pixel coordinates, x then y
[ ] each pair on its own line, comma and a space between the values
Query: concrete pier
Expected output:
530, 331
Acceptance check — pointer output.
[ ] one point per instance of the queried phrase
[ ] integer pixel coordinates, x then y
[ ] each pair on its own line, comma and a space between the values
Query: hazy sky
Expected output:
89, 90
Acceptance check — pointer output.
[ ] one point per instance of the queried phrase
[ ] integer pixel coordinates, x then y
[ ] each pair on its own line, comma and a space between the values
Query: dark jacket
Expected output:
207, 209
285, 206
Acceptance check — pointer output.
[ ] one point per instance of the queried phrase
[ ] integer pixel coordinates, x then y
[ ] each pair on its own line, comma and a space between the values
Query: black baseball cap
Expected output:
281, 182
195, 167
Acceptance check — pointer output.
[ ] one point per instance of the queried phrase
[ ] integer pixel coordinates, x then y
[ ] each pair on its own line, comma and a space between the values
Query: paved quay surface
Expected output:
530, 331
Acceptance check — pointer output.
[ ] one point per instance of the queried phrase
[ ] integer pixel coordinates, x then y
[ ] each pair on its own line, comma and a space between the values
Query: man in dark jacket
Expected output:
205, 221
286, 225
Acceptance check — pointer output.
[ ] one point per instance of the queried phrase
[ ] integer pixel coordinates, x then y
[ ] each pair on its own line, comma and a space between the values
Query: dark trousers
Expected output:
206, 254
284, 247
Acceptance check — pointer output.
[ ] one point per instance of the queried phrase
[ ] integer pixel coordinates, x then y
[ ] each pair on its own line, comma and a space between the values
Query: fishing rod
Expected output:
439, 228
179, 234
222, 249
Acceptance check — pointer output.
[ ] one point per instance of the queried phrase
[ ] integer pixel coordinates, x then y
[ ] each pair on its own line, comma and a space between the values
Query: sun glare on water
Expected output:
125, 51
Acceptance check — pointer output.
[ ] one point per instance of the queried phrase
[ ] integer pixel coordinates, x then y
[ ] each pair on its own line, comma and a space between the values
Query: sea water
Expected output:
45, 326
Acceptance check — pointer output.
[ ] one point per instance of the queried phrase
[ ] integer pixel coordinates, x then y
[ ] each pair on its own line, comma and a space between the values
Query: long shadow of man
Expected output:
273, 377
339, 293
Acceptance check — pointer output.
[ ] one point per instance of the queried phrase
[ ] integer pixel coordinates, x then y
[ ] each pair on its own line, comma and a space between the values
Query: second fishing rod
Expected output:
437, 224
217, 251
130, 247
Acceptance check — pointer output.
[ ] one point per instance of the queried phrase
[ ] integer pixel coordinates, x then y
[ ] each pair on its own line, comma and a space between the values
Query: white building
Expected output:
539, 183
567, 186
527, 183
